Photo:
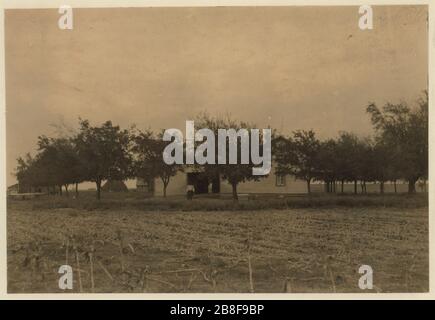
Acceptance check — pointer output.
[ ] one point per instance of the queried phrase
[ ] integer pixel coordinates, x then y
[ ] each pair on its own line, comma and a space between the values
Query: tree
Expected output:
104, 152
348, 159
382, 163
364, 162
26, 172
327, 163
148, 163
62, 162
405, 129
240, 171
299, 156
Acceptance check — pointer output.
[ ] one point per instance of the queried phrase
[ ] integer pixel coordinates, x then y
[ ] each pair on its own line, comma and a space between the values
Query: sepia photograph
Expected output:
217, 149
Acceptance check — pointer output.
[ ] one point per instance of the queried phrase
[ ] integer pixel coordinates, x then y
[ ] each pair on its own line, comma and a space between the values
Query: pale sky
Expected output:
287, 67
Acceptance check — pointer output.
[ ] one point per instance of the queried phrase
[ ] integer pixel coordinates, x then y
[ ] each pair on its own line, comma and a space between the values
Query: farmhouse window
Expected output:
280, 180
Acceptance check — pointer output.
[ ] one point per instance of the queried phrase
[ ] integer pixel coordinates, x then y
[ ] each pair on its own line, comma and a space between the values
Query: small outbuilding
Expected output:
114, 186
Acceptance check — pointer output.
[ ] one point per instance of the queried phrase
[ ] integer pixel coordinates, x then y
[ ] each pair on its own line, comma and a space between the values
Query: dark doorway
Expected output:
199, 182
216, 184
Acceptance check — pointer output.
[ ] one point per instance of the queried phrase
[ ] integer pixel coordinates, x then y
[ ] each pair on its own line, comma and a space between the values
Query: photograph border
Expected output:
29, 4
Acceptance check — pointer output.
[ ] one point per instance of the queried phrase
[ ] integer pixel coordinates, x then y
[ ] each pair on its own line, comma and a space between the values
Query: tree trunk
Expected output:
309, 186
382, 187
342, 186
98, 182
411, 186
395, 186
60, 190
235, 196
355, 187
66, 190
165, 180
77, 189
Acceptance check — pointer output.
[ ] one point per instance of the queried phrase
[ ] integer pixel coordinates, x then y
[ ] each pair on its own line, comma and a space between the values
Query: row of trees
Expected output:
398, 151
107, 152
93, 154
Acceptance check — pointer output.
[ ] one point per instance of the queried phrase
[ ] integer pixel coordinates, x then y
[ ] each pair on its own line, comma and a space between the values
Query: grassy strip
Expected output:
206, 204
